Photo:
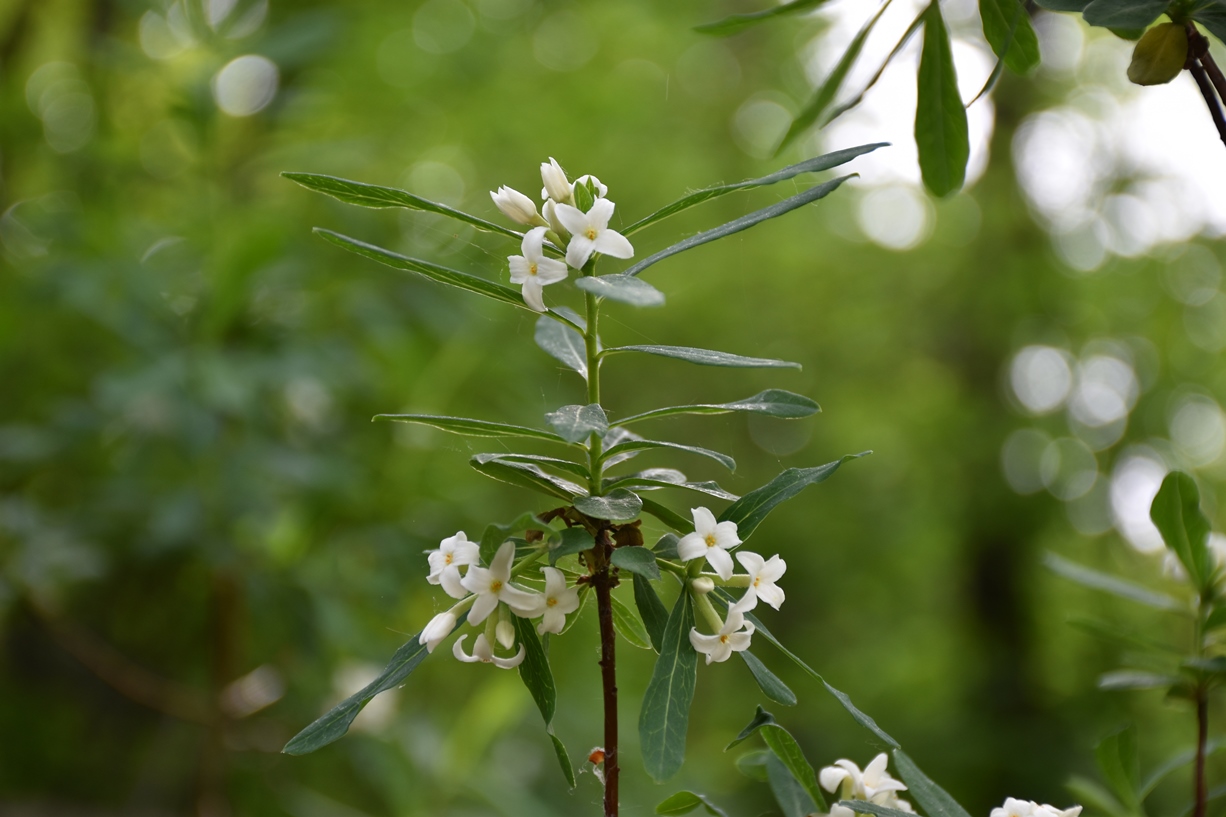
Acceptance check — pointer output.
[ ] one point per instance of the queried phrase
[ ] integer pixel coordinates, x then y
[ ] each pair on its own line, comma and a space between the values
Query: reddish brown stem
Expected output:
603, 582
1202, 738
1211, 100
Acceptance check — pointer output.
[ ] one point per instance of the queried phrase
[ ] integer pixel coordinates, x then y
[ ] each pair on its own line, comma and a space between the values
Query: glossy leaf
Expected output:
576, 423
637, 560
784, 747
1006, 25
740, 22
814, 165
534, 671
443, 275
637, 483
563, 344
572, 540
525, 475
768, 682
743, 223
651, 610
1088, 577
629, 626
941, 133
645, 445
935, 801
1124, 13
706, 357
667, 515
792, 798
683, 802
1176, 512
1062, 5
576, 468
749, 511
619, 505
772, 402
472, 428
665, 716
625, 289
1212, 16
1135, 679
666, 547
495, 534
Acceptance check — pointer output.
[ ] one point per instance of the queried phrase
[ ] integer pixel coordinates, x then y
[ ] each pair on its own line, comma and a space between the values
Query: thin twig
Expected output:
603, 582
1211, 100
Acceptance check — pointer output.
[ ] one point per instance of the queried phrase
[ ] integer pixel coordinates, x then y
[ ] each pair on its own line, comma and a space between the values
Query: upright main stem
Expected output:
1201, 794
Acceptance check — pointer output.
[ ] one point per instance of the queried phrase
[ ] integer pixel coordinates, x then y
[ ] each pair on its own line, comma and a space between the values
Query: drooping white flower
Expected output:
1029, 808
493, 585
601, 190
516, 206
590, 233
763, 573
550, 211
874, 784
560, 600
534, 270
554, 179
453, 552
710, 539
483, 652
730, 638
439, 628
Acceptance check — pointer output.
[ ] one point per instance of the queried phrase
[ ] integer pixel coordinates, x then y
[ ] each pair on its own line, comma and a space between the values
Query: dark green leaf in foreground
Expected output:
814, 165
1176, 512
683, 802
638, 560
569, 466
740, 22
706, 357
525, 475
625, 289
576, 423
1212, 16
785, 747
1062, 5
651, 610
538, 678
637, 482
667, 515
665, 716
573, 540
792, 798
863, 807
472, 428
1088, 577
941, 133
749, 511
1124, 13
743, 223
495, 534
563, 344
772, 402
619, 505
1006, 25
935, 801
629, 626
768, 682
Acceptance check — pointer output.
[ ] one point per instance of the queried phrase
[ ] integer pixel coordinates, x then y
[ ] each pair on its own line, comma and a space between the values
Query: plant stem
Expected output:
1202, 737
1198, 58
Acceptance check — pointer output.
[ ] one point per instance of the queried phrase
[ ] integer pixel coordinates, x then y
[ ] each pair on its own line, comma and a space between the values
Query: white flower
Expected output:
559, 601
1029, 808
589, 233
445, 563
874, 784
534, 270
493, 585
439, 628
484, 653
550, 210
710, 539
601, 190
516, 206
554, 178
729, 639
504, 633
763, 573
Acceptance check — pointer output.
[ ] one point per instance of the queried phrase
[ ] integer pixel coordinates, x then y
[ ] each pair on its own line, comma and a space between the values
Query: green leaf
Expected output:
665, 715
576, 423
740, 22
629, 626
1124, 13
666, 515
1006, 25
638, 560
472, 428
525, 475
534, 671
941, 133
768, 682
1176, 513
637, 482
749, 511
785, 747
1159, 55
644, 445
1090, 793
706, 357
1117, 758
494, 534
1216, 619
792, 798
814, 165
651, 611
1088, 577
583, 197
666, 548
1126, 637
683, 802
439, 274
1212, 16
864, 807
573, 540
894, 52
559, 751
753, 764
625, 289
1062, 5
335, 723
830, 87
934, 799
619, 505
772, 402
760, 718
370, 195
743, 223
570, 467
1177, 761
563, 344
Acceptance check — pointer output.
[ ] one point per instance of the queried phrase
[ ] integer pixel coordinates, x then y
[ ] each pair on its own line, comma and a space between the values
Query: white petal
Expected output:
568, 601
746, 602
554, 179
504, 632
438, 629
720, 561
553, 621
510, 663
534, 294
691, 546
831, 777
482, 650
752, 562
482, 607
550, 271
725, 535
737, 642
599, 215
733, 622
579, 250
477, 580
534, 239
703, 643
704, 520
875, 768
452, 583
501, 566
841, 811
774, 569
523, 603
457, 649
521, 268
612, 243
555, 581
772, 594
572, 218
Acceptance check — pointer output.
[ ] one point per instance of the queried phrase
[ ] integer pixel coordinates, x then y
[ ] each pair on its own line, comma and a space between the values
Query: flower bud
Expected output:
556, 185
505, 633
515, 206
439, 628
702, 585
551, 215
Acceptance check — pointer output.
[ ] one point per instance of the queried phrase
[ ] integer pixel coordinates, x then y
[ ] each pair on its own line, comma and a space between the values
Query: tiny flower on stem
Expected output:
590, 233
493, 585
763, 573
1029, 808
560, 600
874, 784
439, 628
730, 638
483, 652
445, 563
534, 270
516, 206
710, 539
554, 179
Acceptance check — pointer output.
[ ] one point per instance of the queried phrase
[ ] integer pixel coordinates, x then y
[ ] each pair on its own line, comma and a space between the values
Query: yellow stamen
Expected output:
591, 233
709, 539
551, 601
532, 269
495, 586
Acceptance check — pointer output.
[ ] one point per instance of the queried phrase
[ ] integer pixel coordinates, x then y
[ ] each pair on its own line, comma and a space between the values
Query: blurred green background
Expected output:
204, 542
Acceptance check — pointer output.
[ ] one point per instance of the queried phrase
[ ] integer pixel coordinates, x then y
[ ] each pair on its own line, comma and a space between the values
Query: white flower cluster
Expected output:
873, 785
1029, 808
711, 540
563, 222
484, 591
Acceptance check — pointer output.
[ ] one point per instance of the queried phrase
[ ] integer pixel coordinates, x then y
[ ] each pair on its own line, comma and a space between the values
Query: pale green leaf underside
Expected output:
705, 357
629, 626
563, 344
635, 483
576, 423
645, 445
773, 402
739, 22
619, 505
469, 427
1088, 577
525, 475
625, 289
569, 467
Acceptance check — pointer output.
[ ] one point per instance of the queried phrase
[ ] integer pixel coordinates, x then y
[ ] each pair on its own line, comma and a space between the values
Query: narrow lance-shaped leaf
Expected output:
941, 132
644, 445
629, 626
749, 511
619, 505
1062, 5
665, 716
768, 682
469, 427
935, 800
785, 747
792, 798
683, 802
1006, 25
1088, 577
651, 610
743, 223
570, 467
563, 344
814, 165
740, 22
495, 534
1176, 512
772, 402
666, 515
538, 678
638, 560
636, 483
625, 289
525, 475
865, 807
1213, 17
1117, 758
706, 357
915, 26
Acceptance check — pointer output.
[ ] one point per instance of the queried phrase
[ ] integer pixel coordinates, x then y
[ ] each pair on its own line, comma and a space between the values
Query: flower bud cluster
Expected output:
873, 785
1029, 808
575, 214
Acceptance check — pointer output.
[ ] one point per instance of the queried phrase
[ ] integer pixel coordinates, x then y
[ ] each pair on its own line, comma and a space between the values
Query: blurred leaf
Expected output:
863, 807
934, 799
706, 357
1092, 794
576, 468
941, 133
1212, 15
1174, 763
1159, 55
814, 165
665, 715
749, 511
638, 560
525, 475
538, 678
1117, 759
743, 223
1216, 618
442, 275
1124, 13
772, 402
472, 428
785, 747
563, 344
1126, 637
574, 540
623, 288
644, 445
683, 802
768, 682
1095, 580
898, 47
666, 515
651, 610
1130, 34
1062, 5
576, 423
740, 22
1176, 513
753, 764
619, 505
792, 798
1006, 25
628, 625
494, 535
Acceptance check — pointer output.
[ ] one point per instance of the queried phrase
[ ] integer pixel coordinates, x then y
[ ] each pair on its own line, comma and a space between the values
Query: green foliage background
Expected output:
190, 488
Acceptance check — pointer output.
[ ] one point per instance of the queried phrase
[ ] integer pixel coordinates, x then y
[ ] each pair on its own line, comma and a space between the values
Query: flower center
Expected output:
591, 233
723, 639
756, 581
532, 269
551, 601
709, 539
447, 559
495, 586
